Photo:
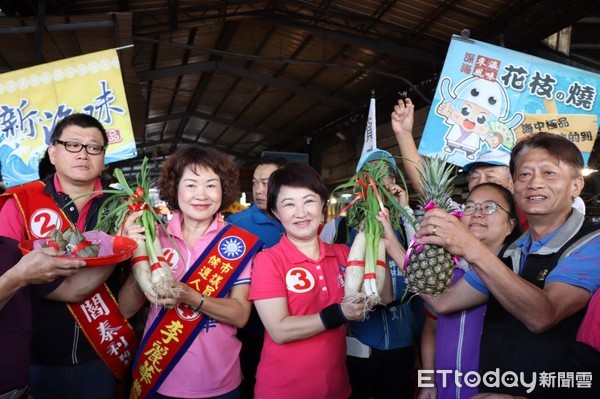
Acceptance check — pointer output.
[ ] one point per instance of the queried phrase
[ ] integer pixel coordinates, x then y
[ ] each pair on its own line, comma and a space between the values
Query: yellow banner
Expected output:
579, 129
33, 100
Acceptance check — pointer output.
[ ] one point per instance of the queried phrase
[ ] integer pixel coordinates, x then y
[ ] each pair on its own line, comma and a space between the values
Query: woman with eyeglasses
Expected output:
451, 341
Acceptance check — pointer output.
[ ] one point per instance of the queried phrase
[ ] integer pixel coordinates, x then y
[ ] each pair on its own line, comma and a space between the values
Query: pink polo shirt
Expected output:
589, 330
211, 365
13, 225
313, 368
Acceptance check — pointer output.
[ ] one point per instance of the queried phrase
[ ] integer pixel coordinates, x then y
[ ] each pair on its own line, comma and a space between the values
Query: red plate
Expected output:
123, 248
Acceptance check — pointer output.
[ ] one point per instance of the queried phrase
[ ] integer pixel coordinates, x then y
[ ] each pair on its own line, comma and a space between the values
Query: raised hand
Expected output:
403, 118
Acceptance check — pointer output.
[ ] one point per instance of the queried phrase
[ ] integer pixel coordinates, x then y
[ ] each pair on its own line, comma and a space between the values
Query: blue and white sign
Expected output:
489, 97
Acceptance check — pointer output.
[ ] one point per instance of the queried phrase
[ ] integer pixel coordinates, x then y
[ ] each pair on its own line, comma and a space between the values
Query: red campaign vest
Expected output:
98, 316
173, 331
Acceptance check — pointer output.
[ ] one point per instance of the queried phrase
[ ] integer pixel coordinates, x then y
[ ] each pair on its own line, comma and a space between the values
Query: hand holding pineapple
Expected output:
429, 267
450, 233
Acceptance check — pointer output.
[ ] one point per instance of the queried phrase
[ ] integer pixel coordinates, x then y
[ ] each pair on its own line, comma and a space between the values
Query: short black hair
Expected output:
556, 145
81, 120
271, 160
295, 174
45, 167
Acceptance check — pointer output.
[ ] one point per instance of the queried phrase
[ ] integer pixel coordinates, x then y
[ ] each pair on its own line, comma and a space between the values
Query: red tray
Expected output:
123, 248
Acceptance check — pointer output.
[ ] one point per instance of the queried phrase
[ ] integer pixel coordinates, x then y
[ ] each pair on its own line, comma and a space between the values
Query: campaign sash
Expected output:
174, 330
107, 331
98, 316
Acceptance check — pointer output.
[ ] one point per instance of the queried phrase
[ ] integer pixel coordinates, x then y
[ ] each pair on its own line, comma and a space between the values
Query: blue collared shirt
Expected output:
257, 222
581, 268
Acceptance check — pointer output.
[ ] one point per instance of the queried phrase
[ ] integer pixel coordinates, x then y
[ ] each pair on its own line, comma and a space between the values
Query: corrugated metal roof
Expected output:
248, 76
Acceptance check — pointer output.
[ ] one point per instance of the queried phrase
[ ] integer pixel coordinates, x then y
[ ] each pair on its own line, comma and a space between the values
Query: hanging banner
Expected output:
490, 97
33, 100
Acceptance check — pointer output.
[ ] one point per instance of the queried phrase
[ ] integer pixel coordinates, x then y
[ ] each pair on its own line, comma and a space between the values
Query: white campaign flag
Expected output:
371, 130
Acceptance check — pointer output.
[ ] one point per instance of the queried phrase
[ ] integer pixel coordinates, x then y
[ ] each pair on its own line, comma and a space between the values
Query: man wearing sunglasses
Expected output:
63, 362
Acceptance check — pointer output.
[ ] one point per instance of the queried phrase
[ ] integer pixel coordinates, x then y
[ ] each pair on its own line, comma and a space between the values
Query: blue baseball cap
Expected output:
375, 155
489, 157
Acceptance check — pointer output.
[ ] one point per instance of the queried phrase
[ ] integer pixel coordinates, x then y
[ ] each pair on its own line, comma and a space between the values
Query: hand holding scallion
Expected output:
365, 269
123, 210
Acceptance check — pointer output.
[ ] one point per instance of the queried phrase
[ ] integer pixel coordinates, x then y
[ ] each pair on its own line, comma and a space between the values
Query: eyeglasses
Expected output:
487, 208
73, 146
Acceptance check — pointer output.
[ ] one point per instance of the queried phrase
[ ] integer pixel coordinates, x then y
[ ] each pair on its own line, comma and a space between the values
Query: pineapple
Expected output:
430, 267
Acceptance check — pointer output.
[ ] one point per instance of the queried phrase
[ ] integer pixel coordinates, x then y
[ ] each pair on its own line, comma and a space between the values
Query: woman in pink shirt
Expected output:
197, 183
297, 287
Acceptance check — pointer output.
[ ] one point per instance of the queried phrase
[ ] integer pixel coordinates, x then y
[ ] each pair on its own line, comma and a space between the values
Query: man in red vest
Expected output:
65, 361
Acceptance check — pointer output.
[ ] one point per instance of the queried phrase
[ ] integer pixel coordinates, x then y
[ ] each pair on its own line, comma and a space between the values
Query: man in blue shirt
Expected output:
255, 219
536, 304
269, 230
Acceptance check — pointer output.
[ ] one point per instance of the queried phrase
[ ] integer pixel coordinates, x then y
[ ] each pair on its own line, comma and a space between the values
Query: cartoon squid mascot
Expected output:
476, 113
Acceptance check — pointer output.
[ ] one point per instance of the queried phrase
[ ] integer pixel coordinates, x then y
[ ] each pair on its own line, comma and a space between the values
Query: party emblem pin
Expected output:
232, 248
